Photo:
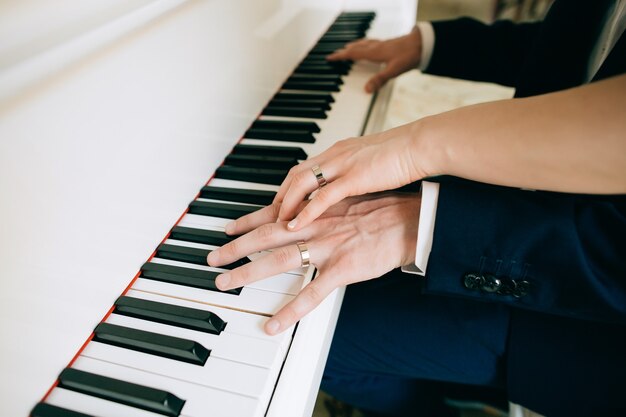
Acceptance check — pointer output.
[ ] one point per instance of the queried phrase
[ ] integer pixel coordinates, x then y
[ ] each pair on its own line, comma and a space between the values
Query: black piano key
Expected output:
48, 410
258, 175
356, 33
350, 22
192, 255
260, 197
304, 97
327, 48
349, 25
134, 395
353, 18
186, 317
187, 277
302, 136
165, 346
223, 210
342, 67
311, 85
343, 31
208, 237
315, 77
261, 161
357, 13
337, 37
358, 16
320, 103
321, 69
311, 127
316, 59
293, 151
311, 112
319, 56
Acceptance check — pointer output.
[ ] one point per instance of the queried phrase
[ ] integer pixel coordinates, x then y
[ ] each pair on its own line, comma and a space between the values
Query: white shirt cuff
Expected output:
428, 43
426, 228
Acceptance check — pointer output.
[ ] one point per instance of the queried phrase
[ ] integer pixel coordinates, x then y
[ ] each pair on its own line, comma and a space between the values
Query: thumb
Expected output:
378, 80
339, 55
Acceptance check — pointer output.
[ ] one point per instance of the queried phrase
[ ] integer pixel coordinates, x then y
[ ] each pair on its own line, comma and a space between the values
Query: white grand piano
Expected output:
130, 130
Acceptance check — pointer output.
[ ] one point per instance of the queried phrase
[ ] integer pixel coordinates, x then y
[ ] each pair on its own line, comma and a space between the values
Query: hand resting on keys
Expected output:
355, 240
568, 141
399, 54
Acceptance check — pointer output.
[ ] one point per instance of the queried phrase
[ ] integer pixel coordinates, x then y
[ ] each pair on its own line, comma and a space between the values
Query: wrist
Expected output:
426, 148
407, 219
416, 42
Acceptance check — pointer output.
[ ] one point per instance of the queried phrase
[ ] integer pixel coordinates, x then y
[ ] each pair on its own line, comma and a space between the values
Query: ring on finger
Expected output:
321, 181
305, 256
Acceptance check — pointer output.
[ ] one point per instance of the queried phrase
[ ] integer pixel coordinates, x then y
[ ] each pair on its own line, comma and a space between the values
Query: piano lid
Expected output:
111, 120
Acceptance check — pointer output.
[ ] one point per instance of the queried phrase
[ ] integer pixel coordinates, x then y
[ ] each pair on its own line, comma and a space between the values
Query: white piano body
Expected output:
113, 114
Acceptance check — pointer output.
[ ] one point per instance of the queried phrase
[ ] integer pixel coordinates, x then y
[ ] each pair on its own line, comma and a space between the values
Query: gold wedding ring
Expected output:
321, 181
304, 254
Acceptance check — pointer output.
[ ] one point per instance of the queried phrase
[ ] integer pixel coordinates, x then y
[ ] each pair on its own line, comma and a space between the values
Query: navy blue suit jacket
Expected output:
567, 336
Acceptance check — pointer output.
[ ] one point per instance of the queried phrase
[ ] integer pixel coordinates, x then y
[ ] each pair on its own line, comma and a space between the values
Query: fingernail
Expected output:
230, 228
212, 258
292, 224
222, 281
272, 326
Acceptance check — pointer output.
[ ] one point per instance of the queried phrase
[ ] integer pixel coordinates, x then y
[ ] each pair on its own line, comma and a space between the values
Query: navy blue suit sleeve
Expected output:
570, 248
466, 48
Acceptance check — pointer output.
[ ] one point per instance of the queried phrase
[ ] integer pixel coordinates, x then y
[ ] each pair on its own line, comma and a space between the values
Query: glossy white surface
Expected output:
104, 146
100, 157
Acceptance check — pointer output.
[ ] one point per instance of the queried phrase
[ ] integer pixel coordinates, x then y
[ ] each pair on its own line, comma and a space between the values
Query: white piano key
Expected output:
198, 399
216, 223
242, 185
218, 373
94, 406
237, 203
321, 123
320, 92
229, 346
190, 244
237, 322
250, 299
281, 283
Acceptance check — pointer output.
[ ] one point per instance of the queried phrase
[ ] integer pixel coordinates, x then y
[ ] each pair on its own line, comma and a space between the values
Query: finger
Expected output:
253, 220
378, 80
344, 53
302, 184
301, 167
366, 49
338, 55
327, 196
267, 236
278, 261
309, 298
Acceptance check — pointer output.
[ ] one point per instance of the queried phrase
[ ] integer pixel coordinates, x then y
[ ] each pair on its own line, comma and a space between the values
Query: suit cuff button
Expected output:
491, 284
473, 281
521, 289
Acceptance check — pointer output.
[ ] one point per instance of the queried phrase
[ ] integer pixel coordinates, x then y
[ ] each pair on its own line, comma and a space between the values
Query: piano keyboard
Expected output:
173, 344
